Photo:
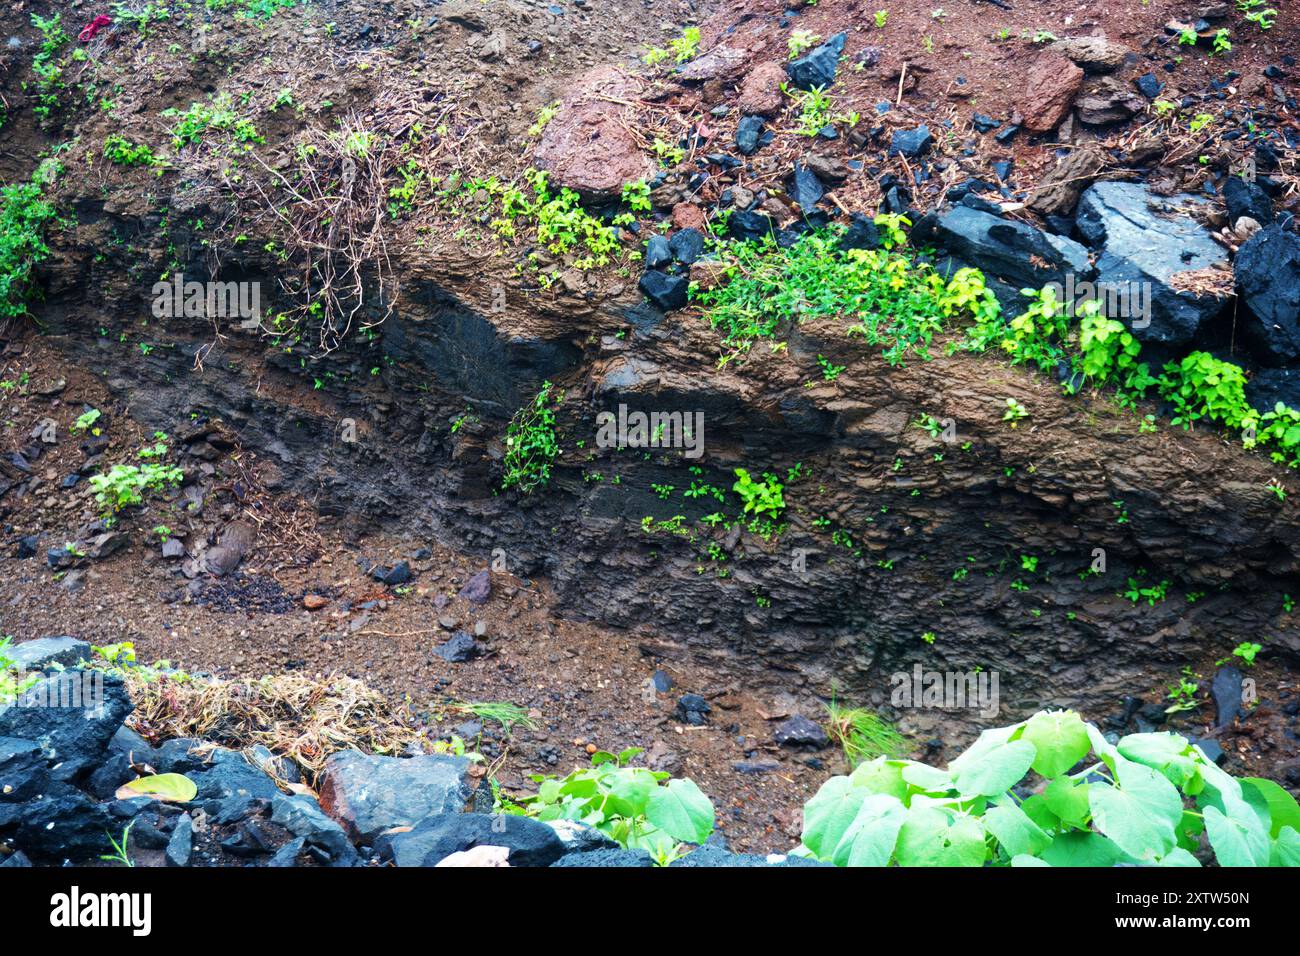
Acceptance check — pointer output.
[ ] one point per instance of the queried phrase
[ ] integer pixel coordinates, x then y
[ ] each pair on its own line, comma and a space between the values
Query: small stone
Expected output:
478, 589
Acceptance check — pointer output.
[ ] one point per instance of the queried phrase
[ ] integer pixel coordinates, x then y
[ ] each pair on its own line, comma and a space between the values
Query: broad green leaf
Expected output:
681, 810
1238, 838
1282, 808
925, 777
929, 837
1168, 753
1069, 801
1017, 833
1286, 851
881, 775
1178, 857
870, 838
1140, 813
993, 769
1082, 849
170, 787
1023, 860
1060, 739
830, 813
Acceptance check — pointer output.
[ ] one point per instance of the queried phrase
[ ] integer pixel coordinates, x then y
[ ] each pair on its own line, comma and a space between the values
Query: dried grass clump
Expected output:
301, 717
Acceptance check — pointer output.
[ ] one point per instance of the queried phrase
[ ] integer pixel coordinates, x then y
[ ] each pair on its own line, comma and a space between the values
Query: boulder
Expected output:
1268, 283
911, 142
712, 856
69, 826
368, 794
748, 224
72, 715
23, 770
580, 838
1051, 84
585, 147
41, 653
1269, 386
478, 589
228, 775
817, 67
805, 188
181, 845
687, 245
1248, 199
747, 132
760, 93
667, 292
461, 647
721, 63
1144, 238
692, 709
434, 838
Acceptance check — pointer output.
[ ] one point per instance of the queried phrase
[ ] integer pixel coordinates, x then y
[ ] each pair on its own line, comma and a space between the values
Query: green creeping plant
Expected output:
531, 443
1052, 791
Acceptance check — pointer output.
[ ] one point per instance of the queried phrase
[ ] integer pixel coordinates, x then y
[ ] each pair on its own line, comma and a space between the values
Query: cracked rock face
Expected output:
1144, 238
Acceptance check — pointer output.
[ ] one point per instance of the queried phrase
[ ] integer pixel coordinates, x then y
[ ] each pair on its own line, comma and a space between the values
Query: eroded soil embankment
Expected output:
985, 542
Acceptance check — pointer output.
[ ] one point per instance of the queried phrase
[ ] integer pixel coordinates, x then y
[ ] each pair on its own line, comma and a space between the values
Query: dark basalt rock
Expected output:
1268, 282
433, 839
1145, 238
72, 716
667, 292
817, 68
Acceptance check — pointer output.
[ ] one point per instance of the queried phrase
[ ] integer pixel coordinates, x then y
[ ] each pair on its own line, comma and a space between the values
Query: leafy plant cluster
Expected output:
24, 218
558, 219
894, 301
1100, 350
531, 443
195, 123
122, 152
125, 485
634, 806
48, 64
1025, 795
252, 9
